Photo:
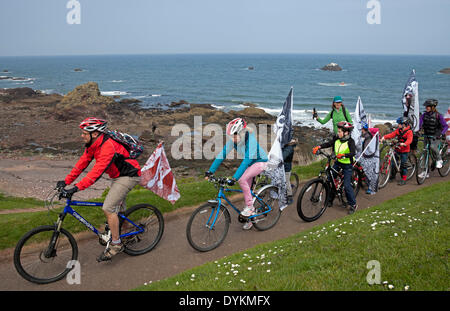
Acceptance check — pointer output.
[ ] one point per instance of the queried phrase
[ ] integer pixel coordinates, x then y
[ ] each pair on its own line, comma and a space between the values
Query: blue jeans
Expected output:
348, 172
403, 163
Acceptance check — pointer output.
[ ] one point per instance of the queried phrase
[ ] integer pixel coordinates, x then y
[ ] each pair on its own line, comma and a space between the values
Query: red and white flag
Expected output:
157, 176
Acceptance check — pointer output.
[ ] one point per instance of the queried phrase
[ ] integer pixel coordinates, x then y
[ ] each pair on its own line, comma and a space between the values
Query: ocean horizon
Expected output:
227, 81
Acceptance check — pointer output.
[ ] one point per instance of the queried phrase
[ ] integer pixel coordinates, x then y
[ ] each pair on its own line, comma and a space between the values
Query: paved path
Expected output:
174, 254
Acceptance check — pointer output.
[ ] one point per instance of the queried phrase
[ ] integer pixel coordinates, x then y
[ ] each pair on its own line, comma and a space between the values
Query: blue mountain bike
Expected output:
46, 254
208, 225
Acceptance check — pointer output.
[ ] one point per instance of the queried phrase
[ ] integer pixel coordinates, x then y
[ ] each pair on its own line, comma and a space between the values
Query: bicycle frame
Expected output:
69, 210
221, 195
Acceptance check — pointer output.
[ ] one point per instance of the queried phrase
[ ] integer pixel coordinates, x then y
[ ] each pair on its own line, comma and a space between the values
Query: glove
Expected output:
340, 155
315, 149
208, 173
231, 181
67, 193
60, 184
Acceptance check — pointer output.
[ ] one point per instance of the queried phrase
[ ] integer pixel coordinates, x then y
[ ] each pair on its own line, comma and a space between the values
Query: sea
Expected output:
227, 81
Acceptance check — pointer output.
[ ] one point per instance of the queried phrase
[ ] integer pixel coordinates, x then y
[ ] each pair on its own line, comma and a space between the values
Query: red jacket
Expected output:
404, 136
109, 157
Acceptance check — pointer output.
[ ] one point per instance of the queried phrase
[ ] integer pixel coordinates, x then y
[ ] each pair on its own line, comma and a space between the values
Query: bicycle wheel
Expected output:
385, 172
269, 199
356, 180
294, 183
43, 255
199, 232
311, 202
147, 217
422, 168
410, 166
445, 169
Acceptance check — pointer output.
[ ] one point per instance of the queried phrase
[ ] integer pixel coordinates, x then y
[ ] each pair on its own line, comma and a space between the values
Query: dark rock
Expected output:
445, 70
332, 67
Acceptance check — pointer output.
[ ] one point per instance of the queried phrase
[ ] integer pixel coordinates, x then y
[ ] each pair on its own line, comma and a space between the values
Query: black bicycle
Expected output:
319, 193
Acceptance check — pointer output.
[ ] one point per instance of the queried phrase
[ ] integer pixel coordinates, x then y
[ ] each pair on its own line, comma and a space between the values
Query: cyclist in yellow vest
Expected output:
345, 149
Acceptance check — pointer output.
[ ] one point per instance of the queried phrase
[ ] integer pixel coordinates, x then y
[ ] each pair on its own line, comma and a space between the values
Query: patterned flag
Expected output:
358, 120
157, 176
284, 133
411, 108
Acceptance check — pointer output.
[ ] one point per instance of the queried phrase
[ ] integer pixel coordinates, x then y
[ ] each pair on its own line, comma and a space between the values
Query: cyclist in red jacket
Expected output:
405, 137
112, 158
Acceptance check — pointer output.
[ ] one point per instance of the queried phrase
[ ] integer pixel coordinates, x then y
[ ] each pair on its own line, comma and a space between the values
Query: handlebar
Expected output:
221, 181
329, 156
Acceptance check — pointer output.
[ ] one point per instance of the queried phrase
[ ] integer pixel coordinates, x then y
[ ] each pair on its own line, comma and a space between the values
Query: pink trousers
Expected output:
246, 180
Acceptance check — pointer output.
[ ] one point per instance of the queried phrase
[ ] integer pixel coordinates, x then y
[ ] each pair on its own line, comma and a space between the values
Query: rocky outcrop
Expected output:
445, 70
9, 95
331, 67
84, 98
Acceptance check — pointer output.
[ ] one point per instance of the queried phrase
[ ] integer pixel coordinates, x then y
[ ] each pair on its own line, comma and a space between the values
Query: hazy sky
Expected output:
39, 27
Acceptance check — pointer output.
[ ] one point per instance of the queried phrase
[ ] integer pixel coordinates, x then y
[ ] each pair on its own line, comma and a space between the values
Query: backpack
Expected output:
133, 145
343, 111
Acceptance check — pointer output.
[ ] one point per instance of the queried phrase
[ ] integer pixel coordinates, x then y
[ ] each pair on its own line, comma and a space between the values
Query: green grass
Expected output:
408, 236
8, 202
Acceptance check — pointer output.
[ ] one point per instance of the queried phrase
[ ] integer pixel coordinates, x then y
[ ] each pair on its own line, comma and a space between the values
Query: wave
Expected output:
19, 79
113, 93
334, 84
117, 81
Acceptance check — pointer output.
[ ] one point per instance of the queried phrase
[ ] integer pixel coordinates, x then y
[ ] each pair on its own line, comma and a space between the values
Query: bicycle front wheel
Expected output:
208, 226
267, 205
422, 168
145, 218
445, 169
385, 172
44, 255
312, 200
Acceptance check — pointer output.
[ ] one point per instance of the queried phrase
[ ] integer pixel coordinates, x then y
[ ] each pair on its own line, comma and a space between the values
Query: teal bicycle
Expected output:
426, 162
208, 225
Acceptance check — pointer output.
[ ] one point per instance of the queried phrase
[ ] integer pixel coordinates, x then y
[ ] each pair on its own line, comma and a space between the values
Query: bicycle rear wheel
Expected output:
201, 234
445, 169
411, 166
311, 202
43, 255
422, 169
269, 200
145, 217
385, 172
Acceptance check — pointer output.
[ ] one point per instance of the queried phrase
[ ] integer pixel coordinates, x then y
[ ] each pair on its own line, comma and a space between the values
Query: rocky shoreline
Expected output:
45, 126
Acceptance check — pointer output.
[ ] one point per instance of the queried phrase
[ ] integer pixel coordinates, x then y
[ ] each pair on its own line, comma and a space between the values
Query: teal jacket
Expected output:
249, 149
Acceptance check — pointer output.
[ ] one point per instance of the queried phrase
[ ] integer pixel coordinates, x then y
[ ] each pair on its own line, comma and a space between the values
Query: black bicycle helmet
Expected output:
431, 102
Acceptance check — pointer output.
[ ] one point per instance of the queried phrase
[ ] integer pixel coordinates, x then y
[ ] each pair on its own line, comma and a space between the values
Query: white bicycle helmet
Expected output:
235, 126
93, 124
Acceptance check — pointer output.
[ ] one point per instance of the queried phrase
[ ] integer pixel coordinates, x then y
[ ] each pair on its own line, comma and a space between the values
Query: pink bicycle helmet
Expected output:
235, 126
92, 124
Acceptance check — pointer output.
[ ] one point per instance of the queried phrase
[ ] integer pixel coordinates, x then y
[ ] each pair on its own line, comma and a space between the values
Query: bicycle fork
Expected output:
50, 252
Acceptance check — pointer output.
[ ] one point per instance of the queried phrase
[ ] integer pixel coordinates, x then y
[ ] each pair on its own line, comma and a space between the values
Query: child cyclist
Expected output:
253, 163
345, 149
405, 138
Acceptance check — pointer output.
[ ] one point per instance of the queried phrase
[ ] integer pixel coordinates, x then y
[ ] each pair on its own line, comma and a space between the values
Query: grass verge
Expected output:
408, 236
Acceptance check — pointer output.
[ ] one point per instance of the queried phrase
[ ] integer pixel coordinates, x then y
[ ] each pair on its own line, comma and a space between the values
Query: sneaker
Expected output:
353, 208
369, 191
110, 251
248, 211
422, 175
439, 164
248, 225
